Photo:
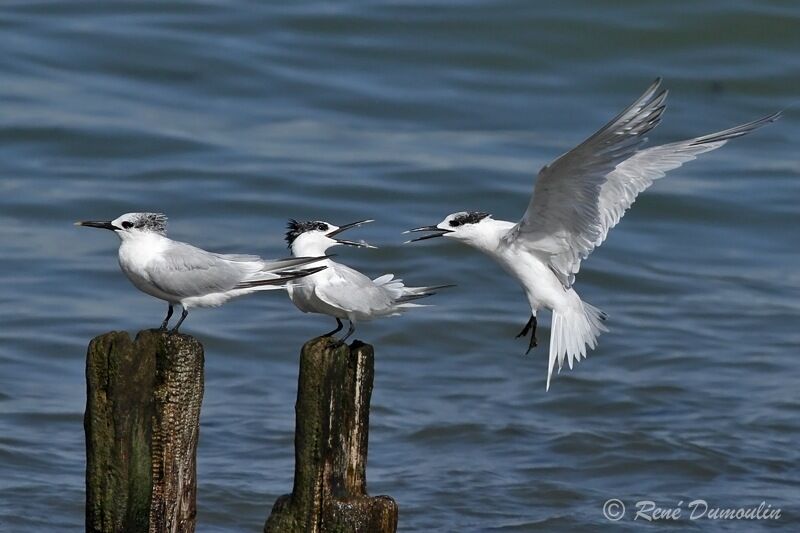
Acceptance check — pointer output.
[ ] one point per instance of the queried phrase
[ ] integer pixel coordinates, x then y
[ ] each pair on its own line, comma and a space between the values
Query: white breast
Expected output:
135, 254
541, 285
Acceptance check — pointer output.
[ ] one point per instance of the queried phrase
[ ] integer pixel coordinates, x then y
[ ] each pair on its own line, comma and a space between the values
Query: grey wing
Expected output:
640, 171
561, 221
184, 270
584, 193
352, 291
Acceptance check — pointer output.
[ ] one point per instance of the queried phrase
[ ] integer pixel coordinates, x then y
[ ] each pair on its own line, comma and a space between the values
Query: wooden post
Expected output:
331, 435
142, 420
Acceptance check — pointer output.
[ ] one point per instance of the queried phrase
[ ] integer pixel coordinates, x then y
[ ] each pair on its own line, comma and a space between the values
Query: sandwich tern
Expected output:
340, 291
577, 199
184, 275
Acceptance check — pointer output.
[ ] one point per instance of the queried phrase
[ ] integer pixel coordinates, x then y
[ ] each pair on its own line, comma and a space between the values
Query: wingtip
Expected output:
654, 86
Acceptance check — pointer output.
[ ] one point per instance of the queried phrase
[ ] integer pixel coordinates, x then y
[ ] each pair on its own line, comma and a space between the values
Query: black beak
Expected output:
437, 232
94, 224
347, 227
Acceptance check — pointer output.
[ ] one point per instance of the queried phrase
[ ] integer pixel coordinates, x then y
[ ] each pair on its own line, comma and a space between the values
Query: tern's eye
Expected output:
455, 223
322, 227
127, 225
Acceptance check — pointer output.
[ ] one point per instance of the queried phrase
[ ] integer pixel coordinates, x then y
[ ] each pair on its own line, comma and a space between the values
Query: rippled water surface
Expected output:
233, 117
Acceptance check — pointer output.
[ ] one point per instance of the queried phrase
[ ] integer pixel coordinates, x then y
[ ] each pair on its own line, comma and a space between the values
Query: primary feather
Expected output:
584, 193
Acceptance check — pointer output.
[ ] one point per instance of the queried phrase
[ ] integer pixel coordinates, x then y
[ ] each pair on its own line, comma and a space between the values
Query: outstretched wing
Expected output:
636, 174
584, 193
562, 219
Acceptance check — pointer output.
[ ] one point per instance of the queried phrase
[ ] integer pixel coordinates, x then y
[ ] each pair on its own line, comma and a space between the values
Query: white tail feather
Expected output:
402, 295
572, 330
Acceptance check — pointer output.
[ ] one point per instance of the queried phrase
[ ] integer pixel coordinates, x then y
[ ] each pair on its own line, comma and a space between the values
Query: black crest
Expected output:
467, 217
155, 222
295, 228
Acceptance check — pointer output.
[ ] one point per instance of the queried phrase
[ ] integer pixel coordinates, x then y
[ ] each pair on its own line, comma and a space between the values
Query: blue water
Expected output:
233, 117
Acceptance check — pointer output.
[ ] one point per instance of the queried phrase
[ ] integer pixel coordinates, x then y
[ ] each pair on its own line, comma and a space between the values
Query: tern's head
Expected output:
468, 226
315, 236
132, 224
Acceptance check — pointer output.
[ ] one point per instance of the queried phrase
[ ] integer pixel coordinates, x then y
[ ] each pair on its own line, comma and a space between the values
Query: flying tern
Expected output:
184, 275
577, 199
340, 291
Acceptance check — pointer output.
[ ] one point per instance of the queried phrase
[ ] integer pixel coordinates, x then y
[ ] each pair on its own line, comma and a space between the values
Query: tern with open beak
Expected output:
340, 291
577, 199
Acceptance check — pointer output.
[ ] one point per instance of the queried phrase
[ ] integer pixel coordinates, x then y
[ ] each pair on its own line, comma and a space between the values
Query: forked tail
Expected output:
402, 295
572, 331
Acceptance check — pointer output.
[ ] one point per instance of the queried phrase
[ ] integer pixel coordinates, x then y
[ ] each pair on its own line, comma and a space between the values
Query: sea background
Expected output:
232, 117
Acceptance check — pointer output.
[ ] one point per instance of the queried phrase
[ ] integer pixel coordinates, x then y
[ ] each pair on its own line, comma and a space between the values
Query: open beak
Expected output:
437, 232
360, 244
97, 224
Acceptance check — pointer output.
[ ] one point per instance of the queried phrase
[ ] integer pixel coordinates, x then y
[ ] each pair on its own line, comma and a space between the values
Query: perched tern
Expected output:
340, 291
184, 275
577, 199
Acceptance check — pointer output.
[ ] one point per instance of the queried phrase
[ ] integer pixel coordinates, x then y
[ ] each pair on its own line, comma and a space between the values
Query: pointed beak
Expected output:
98, 224
437, 232
360, 244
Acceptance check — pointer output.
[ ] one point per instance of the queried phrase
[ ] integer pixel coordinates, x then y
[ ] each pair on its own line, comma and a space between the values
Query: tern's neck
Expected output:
487, 239
309, 248
140, 237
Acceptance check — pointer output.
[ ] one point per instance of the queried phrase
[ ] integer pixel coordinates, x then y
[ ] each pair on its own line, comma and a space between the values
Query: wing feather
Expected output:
352, 291
584, 193
184, 270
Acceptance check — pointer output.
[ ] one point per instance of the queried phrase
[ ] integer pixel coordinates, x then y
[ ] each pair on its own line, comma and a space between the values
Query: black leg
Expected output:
530, 326
350, 331
166, 320
339, 327
183, 317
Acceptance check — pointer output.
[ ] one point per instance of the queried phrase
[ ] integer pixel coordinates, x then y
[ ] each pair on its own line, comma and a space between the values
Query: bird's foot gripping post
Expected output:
142, 422
331, 436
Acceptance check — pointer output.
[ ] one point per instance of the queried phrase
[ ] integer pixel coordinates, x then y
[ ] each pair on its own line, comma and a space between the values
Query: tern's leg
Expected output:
184, 312
350, 330
166, 320
339, 327
530, 326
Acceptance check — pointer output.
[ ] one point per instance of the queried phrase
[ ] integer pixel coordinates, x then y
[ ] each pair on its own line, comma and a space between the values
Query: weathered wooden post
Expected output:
331, 435
142, 421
